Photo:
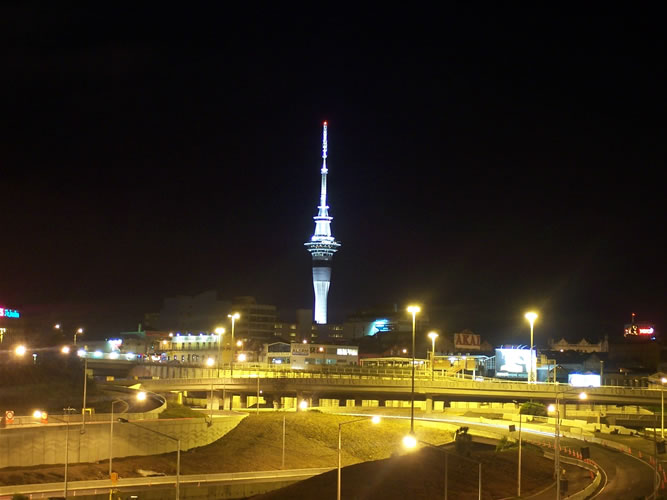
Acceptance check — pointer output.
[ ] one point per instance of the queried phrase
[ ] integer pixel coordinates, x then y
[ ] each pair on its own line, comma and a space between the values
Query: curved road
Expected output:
627, 476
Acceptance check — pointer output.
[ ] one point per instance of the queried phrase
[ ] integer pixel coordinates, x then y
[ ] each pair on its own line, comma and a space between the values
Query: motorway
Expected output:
331, 385
161, 483
627, 477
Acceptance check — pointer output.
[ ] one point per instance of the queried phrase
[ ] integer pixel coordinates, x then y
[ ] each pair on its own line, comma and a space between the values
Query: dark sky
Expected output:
483, 161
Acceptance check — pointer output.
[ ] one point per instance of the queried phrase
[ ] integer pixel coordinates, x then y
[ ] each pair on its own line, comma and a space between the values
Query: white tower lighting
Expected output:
322, 245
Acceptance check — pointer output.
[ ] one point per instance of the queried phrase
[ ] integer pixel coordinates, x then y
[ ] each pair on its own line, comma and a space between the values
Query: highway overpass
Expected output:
369, 384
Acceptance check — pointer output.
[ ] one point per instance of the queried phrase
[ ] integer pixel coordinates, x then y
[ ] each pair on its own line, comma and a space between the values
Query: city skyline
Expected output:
481, 168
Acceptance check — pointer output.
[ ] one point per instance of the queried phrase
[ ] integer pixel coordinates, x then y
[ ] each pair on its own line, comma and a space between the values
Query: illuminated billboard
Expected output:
584, 379
466, 341
644, 330
9, 313
514, 363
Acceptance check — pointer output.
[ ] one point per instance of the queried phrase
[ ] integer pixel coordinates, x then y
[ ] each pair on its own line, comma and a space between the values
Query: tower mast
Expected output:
322, 244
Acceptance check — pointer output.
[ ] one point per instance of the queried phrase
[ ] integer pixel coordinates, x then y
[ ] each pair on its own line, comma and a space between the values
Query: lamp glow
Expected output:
409, 441
20, 350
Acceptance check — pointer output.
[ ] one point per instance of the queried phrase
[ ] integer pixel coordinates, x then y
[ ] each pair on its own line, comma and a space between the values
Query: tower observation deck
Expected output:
322, 245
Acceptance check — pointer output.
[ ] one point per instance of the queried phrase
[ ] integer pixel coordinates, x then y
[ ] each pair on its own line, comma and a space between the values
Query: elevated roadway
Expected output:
373, 384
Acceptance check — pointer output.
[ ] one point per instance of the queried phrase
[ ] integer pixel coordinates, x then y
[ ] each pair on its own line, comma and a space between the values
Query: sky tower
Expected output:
322, 245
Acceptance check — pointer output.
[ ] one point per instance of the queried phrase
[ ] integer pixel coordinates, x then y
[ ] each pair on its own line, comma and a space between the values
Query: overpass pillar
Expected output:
382, 403
213, 402
342, 403
429, 403
227, 401
358, 402
243, 400
276, 402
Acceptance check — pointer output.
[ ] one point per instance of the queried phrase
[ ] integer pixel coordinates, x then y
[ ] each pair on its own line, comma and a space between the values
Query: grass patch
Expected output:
175, 410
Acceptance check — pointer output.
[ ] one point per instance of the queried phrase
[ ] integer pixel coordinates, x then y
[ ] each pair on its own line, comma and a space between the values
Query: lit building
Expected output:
582, 346
322, 245
257, 321
11, 325
388, 321
305, 329
301, 355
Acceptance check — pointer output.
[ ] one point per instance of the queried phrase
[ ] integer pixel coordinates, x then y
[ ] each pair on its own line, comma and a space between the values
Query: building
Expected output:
322, 245
582, 346
382, 321
305, 329
300, 355
12, 328
257, 321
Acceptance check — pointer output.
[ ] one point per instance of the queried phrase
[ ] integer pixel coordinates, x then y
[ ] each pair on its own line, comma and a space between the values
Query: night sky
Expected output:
481, 161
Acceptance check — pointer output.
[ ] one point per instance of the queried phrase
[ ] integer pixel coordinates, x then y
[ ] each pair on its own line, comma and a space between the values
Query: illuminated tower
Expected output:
322, 245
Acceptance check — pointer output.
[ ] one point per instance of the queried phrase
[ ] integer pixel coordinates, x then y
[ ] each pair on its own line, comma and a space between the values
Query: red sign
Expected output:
638, 329
466, 341
9, 417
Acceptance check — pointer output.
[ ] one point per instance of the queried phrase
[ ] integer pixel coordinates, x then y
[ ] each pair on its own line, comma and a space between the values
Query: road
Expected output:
79, 488
628, 477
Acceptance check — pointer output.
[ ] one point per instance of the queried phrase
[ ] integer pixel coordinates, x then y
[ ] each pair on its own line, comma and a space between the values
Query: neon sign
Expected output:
9, 313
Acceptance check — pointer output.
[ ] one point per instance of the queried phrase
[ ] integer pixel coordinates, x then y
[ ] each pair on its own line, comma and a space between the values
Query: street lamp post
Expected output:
178, 450
413, 310
234, 317
518, 480
85, 386
556, 409
663, 380
531, 317
141, 396
432, 336
66, 411
374, 420
111, 435
283, 460
219, 332
79, 331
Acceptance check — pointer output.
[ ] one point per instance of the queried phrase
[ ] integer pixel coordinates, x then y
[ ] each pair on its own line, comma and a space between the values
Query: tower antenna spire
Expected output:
322, 244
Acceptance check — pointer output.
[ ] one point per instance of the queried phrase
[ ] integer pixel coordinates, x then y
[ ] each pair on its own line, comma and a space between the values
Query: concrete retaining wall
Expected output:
28, 446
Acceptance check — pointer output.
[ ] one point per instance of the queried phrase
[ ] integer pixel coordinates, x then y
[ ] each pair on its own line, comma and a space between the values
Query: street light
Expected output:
479, 465
20, 350
413, 310
219, 332
432, 336
551, 408
234, 317
79, 331
531, 317
141, 396
38, 414
663, 380
374, 420
85, 387
178, 451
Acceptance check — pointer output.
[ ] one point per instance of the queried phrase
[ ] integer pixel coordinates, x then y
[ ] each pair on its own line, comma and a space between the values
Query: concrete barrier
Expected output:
41, 445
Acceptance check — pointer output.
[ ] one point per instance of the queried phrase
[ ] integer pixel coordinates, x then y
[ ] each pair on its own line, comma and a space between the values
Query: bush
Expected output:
533, 408
504, 444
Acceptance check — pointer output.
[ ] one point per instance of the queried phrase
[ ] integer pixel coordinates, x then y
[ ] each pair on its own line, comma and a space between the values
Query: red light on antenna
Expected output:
325, 123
